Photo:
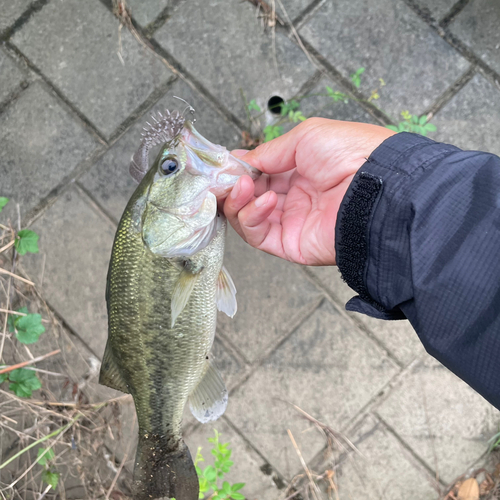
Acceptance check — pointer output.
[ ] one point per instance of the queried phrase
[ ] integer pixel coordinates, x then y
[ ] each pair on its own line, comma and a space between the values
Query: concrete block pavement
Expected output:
68, 133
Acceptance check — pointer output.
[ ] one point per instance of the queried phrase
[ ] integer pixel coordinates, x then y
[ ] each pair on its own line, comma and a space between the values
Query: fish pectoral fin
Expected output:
182, 291
226, 293
110, 374
208, 401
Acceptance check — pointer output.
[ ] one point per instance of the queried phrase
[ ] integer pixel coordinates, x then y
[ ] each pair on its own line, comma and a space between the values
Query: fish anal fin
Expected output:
208, 401
226, 293
182, 291
110, 374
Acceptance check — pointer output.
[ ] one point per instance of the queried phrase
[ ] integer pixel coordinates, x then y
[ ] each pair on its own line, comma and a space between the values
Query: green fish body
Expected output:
166, 282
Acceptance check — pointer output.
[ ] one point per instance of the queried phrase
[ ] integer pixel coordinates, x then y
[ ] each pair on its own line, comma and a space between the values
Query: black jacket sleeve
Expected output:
418, 237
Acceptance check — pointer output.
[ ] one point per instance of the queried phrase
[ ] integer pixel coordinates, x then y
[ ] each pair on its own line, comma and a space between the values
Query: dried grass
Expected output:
71, 413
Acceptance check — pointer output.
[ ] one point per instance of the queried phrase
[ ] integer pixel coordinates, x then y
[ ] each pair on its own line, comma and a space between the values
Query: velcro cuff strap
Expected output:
352, 233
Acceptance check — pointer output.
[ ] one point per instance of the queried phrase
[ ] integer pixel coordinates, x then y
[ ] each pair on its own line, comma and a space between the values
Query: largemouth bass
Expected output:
165, 283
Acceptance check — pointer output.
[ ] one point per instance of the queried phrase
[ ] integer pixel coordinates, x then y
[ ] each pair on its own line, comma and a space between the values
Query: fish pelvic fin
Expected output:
208, 401
163, 473
226, 293
110, 375
182, 291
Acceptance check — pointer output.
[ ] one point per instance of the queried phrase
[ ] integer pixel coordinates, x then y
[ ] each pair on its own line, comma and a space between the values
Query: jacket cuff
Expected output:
372, 228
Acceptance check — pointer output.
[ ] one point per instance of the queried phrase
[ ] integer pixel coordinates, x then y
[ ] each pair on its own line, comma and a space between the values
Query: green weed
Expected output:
49, 476
211, 478
26, 327
413, 123
290, 111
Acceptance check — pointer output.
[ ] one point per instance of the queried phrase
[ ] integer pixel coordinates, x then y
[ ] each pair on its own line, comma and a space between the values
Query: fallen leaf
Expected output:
469, 490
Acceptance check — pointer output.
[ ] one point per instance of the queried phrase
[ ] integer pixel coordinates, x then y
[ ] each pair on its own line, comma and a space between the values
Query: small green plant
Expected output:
413, 123
271, 132
212, 476
290, 112
336, 96
28, 327
494, 442
26, 241
253, 106
356, 77
49, 476
22, 382
3, 202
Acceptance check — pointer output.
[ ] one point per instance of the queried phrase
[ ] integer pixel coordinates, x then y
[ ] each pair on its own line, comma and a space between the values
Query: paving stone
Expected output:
229, 52
10, 11
272, 296
441, 418
391, 42
41, 144
322, 105
436, 8
75, 246
230, 368
75, 45
471, 119
327, 368
11, 76
385, 470
109, 180
248, 466
398, 337
146, 11
477, 27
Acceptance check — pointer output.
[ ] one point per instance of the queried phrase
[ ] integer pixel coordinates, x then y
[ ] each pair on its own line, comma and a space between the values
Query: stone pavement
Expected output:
75, 90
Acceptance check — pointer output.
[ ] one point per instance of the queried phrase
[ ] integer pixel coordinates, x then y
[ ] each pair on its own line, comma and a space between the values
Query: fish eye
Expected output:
169, 166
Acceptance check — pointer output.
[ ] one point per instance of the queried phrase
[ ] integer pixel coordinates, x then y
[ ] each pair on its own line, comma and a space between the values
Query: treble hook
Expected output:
189, 108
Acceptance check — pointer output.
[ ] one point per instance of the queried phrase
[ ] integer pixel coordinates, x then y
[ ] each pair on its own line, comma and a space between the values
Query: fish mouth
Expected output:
213, 161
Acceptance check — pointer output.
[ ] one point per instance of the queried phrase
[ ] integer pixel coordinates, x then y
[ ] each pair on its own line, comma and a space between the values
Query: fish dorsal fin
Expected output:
110, 374
208, 401
182, 291
226, 293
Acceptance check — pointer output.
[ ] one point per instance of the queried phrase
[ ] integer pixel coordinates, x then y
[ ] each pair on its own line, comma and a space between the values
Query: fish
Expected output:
165, 283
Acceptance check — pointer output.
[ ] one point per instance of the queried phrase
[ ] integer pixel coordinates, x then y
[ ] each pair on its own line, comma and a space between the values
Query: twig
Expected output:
30, 362
314, 486
6, 247
4, 271
299, 40
121, 12
45, 491
95, 406
116, 476
30, 403
17, 313
328, 431
4, 330
41, 440
9, 419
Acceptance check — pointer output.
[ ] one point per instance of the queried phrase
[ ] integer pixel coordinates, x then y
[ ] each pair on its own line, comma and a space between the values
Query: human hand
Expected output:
291, 210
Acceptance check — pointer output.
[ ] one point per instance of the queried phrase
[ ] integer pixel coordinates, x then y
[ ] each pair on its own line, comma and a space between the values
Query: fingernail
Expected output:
236, 190
239, 152
262, 200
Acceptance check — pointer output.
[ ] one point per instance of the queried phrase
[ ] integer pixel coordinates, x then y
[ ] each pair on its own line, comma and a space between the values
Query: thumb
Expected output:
277, 155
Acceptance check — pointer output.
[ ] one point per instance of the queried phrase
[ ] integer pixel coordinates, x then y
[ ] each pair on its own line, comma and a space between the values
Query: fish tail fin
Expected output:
161, 473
